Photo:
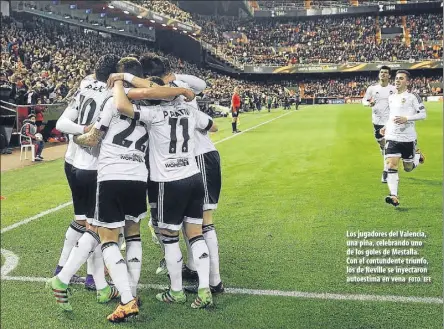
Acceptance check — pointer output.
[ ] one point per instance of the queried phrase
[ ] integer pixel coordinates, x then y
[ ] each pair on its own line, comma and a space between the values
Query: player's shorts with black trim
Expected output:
70, 177
84, 196
405, 150
376, 130
118, 201
153, 191
209, 165
180, 201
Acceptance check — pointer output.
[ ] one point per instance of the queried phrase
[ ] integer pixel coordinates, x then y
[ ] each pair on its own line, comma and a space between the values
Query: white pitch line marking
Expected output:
280, 293
33, 218
11, 262
251, 128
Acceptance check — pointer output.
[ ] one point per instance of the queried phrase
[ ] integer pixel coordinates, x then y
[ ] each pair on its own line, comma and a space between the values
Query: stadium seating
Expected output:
45, 60
324, 40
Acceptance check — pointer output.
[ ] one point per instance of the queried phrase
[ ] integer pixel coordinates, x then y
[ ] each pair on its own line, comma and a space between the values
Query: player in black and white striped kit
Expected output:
181, 192
84, 111
208, 161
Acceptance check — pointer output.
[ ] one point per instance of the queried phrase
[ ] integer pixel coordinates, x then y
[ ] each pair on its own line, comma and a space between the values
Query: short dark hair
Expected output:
385, 67
106, 65
130, 65
407, 73
154, 65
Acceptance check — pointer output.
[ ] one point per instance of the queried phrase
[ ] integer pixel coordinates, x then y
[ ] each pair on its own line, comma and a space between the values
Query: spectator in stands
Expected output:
38, 110
28, 132
7, 89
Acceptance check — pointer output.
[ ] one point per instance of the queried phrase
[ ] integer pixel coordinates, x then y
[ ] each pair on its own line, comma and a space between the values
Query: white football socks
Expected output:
174, 261
134, 261
117, 270
190, 257
73, 234
209, 233
392, 181
79, 255
201, 260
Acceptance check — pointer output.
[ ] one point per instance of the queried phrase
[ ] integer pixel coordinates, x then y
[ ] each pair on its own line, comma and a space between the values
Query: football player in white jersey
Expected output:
121, 197
87, 104
400, 133
181, 192
155, 66
77, 226
208, 161
376, 97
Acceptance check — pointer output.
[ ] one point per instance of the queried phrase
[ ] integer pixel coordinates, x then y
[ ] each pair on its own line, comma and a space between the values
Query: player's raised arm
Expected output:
66, 123
121, 101
146, 89
196, 84
90, 139
96, 130
160, 93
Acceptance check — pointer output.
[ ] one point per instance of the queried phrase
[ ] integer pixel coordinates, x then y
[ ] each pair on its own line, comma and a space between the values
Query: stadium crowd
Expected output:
326, 40
168, 9
43, 62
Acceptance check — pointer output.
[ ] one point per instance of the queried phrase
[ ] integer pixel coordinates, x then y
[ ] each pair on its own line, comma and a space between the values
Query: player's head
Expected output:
402, 80
106, 65
384, 73
130, 65
154, 65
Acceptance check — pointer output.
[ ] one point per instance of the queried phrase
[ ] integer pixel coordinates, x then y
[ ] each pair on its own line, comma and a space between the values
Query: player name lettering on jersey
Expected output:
90, 100
176, 113
172, 139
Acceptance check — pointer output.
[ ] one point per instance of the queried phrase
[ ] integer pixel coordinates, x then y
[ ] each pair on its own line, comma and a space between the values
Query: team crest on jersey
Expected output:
391, 92
403, 100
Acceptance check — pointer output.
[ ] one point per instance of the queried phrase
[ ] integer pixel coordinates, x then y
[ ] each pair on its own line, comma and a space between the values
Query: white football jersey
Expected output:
70, 151
380, 112
407, 105
172, 139
71, 114
203, 142
90, 101
122, 153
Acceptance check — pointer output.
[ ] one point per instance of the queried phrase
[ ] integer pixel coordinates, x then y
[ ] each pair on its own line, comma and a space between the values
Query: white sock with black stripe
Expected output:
73, 234
209, 233
98, 268
201, 260
79, 255
190, 257
134, 260
117, 270
174, 261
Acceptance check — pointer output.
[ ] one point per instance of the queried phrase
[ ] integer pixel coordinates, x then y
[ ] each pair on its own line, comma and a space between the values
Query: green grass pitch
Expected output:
291, 189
